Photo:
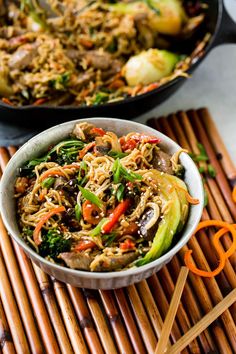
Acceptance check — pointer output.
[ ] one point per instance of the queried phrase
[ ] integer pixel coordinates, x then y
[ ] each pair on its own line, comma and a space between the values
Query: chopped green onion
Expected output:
211, 171
83, 167
202, 150
120, 172
120, 192
48, 182
98, 229
200, 158
91, 197
201, 169
116, 154
78, 212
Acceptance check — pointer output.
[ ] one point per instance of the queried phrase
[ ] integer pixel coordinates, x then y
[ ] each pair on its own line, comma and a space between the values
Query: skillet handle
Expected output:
227, 30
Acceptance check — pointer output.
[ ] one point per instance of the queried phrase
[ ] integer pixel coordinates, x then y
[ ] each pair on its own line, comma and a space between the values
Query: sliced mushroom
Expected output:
59, 182
102, 148
104, 263
76, 260
97, 60
148, 222
162, 162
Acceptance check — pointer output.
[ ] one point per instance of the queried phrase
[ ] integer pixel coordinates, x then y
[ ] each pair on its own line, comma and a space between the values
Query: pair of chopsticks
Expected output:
198, 327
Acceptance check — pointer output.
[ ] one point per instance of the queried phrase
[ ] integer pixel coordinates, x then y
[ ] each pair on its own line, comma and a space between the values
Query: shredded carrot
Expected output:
49, 173
7, 101
86, 43
36, 233
84, 245
232, 248
42, 195
39, 101
150, 87
84, 151
234, 194
222, 254
189, 198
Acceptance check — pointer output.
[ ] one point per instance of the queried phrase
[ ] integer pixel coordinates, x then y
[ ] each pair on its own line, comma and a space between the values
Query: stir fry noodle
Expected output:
99, 202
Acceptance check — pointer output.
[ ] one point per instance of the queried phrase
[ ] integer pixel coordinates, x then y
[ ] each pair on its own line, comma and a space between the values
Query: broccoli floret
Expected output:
53, 244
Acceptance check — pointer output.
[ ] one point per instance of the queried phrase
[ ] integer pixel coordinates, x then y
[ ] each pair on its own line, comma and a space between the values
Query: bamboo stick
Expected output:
100, 322
192, 307
53, 311
220, 175
228, 269
72, 326
85, 320
187, 128
11, 311
145, 328
134, 335
197, 282
166, 329
150, 306
44, 324
6, 342
213, 288
220, 308
178, 131
41, 315
181, 315
12, 150
211, 184
19, 288
163, 306
113, 315
218, 144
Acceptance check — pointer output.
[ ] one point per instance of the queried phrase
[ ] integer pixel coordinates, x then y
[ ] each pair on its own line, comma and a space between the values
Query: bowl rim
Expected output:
98, 275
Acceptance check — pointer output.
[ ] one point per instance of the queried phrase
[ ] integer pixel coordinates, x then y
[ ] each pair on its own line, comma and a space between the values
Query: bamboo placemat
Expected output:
42, 315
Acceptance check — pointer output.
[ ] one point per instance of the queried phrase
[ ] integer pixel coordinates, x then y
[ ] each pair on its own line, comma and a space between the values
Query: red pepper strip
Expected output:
129, 145
36, 233
145, 138
98, 131
116, 214
127, 245
84, 245
222, 255
84, 151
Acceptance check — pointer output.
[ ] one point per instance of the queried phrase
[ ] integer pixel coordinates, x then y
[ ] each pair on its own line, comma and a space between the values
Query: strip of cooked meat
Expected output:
104, 263
23, 56
77, 260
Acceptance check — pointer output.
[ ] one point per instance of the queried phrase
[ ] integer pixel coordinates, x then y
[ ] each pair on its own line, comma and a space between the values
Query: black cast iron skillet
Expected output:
218, 23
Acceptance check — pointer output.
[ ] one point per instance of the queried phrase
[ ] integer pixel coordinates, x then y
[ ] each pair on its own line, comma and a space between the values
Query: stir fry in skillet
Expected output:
91, 52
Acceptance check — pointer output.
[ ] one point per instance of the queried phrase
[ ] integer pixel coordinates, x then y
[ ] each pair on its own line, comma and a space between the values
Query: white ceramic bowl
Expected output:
37, 146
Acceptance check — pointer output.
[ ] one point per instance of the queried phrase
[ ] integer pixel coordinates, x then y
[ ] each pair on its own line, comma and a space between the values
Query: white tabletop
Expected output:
213, 85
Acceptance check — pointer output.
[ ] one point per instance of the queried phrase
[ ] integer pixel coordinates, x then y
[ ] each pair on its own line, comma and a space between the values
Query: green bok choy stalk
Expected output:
172, 191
